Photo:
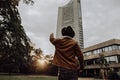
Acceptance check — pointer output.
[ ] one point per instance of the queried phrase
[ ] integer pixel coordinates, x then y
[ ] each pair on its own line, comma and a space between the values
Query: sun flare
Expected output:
41, 63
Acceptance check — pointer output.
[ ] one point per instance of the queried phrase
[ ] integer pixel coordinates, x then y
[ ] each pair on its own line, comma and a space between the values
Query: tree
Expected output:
35, 56
103, 65
14, 43
102, 61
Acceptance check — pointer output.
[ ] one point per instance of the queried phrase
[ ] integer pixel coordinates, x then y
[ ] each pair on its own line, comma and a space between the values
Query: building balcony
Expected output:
97, 66
107, 53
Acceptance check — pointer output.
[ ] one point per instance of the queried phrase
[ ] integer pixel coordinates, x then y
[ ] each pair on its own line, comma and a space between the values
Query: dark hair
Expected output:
68, 31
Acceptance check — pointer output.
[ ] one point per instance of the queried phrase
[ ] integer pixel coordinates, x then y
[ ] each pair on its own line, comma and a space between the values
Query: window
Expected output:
118, 47
88, 53
84, 54
110, 48
106, 49
118, 59
96, 51
112, 59
114, 47
100, 50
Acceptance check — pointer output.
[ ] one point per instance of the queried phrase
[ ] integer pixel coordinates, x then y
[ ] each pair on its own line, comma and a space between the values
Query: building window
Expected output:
100, 50
88, 53
84, 54
119, 47
118, 59
94, 51
112, 59
90, 62
110, 48
114, 47
105, 49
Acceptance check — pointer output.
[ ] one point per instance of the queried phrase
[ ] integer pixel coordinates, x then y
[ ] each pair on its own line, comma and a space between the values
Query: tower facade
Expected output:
71, 15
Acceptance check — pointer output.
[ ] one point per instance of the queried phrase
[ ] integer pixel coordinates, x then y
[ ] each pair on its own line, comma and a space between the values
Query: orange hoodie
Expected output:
66, 51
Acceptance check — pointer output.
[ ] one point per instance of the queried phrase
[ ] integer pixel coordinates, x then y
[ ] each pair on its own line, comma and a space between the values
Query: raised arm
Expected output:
51, 38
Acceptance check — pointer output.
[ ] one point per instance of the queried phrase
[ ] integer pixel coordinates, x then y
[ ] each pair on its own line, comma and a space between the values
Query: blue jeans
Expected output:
67, 74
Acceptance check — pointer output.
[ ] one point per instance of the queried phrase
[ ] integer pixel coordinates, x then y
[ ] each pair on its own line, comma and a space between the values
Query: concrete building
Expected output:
70, 15
111, 53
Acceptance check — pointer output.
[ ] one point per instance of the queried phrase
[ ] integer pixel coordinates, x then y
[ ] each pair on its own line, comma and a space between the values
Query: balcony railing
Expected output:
96, 66
108, 53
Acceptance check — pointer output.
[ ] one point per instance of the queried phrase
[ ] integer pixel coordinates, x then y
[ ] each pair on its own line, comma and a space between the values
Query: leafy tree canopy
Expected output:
14, 43
16, 2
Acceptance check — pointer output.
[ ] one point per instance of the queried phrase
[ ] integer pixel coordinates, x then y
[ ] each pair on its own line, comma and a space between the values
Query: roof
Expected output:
102, 44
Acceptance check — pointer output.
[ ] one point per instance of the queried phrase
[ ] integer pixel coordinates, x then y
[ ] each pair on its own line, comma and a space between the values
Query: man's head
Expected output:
68, 31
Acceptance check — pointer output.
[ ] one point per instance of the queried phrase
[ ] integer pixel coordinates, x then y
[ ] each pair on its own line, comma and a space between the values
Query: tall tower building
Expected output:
71, 15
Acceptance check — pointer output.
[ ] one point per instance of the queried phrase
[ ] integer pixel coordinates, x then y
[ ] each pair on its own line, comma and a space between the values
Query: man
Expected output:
66, 51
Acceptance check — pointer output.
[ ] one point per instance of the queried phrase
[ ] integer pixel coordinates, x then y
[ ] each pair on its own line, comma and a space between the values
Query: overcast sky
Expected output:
101, 21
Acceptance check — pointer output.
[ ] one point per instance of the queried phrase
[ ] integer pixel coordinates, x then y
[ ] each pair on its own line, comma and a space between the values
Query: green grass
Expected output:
27, 78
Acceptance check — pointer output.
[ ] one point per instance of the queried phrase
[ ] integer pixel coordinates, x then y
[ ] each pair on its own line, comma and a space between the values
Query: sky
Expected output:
100, 20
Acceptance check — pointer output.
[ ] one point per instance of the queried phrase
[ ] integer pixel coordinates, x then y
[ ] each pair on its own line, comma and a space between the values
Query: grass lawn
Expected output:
32, 77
